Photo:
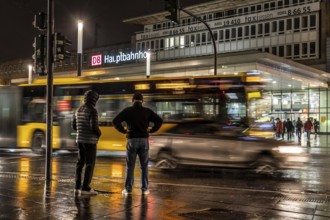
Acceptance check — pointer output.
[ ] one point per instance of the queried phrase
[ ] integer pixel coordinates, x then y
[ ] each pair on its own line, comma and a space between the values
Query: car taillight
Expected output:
151, 141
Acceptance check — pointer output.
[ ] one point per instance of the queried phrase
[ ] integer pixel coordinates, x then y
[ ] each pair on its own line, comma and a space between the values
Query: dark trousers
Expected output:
137, 147
86, 158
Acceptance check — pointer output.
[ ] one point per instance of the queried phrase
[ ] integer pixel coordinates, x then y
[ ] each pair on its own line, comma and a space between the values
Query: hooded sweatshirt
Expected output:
85, 120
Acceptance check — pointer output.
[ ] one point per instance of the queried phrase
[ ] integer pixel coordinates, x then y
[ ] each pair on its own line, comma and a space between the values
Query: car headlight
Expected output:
290, 149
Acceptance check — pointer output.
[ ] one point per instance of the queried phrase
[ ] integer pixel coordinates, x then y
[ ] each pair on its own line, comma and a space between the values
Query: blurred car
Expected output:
205, 143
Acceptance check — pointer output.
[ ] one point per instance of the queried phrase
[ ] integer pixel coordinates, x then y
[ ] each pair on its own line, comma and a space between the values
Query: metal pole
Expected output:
30, 74
49, 109
148, 65
79, 47
211, 33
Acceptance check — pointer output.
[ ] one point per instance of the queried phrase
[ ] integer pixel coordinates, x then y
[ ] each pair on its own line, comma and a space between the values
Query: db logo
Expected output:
97, 60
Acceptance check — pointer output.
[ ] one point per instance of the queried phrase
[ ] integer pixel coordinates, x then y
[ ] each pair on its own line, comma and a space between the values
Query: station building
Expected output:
282, 47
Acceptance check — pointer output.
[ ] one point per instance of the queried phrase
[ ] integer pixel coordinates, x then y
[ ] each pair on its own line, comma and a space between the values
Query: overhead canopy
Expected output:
277, 73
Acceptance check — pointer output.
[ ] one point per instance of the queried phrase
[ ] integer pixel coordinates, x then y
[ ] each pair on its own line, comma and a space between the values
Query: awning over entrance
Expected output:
276, 72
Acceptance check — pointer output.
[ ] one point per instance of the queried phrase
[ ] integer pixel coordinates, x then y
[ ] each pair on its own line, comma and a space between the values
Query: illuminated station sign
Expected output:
104, 59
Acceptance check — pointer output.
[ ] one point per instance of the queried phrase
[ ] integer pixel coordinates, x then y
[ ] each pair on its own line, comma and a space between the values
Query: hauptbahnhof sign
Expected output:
104, 59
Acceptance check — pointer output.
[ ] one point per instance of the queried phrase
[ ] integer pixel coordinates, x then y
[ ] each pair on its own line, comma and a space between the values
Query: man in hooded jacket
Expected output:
85, 122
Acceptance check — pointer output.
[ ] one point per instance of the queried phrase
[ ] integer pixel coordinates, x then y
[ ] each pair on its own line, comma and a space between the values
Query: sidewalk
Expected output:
27, 197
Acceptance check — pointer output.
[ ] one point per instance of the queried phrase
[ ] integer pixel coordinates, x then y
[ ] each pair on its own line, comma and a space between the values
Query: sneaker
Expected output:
146, 192
90, 192
125, 192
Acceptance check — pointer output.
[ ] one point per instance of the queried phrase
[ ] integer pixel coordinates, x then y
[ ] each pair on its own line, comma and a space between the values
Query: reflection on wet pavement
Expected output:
186, 193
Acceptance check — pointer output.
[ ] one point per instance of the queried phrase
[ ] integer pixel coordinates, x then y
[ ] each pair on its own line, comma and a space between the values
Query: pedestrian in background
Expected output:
308, 128
299, 126
85, 122
279, 128
137, 120
316, 125
289, 128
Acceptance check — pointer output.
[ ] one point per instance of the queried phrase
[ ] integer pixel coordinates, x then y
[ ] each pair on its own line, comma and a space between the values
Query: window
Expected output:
296, 24
286, 3
280, 4
274, 26
187, 41
240, 11
209, 38
231, 13
304, 23
296, 49
198, 39
221, 35
289, 24
215, 35
219, 15
157, 44
260, 29
272, 5
246, 32
253, 9
182, 41
233, 33
312, 49
266, 6
258, 8
281, 51
294, 2
267, 29
288, 51
204, 38
274, 50
152, 46
246, 10
253, 31
312, 22
227, 34
239, 33
281, 27
304, 49
192, 40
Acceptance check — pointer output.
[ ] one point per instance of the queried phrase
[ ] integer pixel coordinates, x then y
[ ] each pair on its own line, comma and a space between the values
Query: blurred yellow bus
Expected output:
23, 107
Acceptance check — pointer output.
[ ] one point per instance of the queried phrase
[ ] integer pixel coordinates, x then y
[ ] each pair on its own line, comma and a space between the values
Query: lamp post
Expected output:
79, 47
148, 64
30, 74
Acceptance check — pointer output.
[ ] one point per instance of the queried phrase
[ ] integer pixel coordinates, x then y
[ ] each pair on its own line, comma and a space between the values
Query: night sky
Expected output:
17, 32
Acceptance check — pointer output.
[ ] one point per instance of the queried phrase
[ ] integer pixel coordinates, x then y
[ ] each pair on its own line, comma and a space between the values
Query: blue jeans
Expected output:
308, 134
137, 147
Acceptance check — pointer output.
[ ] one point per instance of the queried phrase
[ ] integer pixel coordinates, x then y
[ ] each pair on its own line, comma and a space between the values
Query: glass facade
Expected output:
307, 103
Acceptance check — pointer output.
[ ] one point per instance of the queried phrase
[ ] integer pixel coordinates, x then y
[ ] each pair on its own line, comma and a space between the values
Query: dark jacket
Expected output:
137, 119
85, 120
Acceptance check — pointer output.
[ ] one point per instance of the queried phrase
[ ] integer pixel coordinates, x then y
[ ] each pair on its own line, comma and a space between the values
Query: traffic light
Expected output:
59, 43
40, 21
172, 7
39, 55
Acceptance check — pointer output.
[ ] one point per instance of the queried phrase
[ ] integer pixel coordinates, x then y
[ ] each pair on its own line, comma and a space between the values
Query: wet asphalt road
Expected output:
186, 193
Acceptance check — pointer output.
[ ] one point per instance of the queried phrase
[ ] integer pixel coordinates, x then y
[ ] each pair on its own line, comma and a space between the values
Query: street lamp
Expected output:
79, 47
148, 64
30, 74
